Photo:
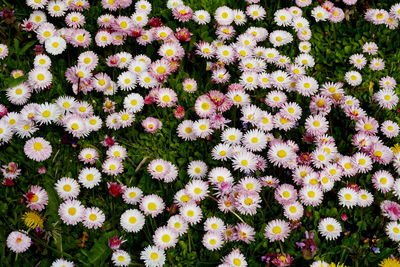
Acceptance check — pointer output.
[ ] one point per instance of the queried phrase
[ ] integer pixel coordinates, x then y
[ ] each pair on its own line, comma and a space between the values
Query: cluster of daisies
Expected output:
314, 172
237, 59
388, 18
386, 97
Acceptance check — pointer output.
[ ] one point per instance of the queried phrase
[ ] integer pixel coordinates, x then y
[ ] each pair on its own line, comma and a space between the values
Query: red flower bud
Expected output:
115, 189
155, 22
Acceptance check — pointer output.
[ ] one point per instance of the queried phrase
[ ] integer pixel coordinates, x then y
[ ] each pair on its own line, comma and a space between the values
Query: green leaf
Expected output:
26, 47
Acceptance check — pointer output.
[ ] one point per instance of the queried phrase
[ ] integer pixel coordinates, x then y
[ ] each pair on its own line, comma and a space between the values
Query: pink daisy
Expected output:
390, 210
285, 194
113, 166
37, 149
182, 13
244, 232
277, 230
18, 241
36, 198
151, 125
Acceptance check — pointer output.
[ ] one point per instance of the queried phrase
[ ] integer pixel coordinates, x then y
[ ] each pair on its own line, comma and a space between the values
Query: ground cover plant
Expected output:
199, 133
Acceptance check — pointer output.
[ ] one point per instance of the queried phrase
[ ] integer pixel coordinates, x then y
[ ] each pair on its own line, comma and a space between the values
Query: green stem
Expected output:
237, 215
281, 247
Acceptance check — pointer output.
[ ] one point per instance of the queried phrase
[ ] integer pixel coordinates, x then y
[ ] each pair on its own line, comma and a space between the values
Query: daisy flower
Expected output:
358, 60
365, 198
201, 17
386, 98
143, 6
316, 125
177, 224
189, 85
197, 189
197, 169
390, 129
132, 220
367, 125
153, 256
277, 230
47, 113
213, 241
280, 79
280, 154
132, 195
37, 149
55, 45
185, 130
18, 242
305, 60
39, 78
182, 13
224, 15
281, 123
67, 188
24, 128
307, 86
235, 258
247, 203
254, 140
250, 184
244, 161
214, 224
93, 123
348, 197
191, 213
244, 232
56, 8
133, 102
329, 228
370, 48
383, 181
392, 229
283, 17
62, 263
88, 155
89, 177
319, 13
276, 99
390, 210
164, 237
362, 162
204, 107
202, 128
256, 12
20, 94
71, 212
121, 258
113, 166
152, 205
377, 64
285, 194
93, 218
311, 195
293, 211
158, 168
279, 38
387, 82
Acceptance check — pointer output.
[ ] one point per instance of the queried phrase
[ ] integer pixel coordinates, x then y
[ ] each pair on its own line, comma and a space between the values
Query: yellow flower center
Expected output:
276, 230
37, 146
67, 188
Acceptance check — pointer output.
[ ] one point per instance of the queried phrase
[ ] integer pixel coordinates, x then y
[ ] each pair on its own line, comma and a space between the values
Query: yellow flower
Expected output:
33, 219
389, 263
396, 149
